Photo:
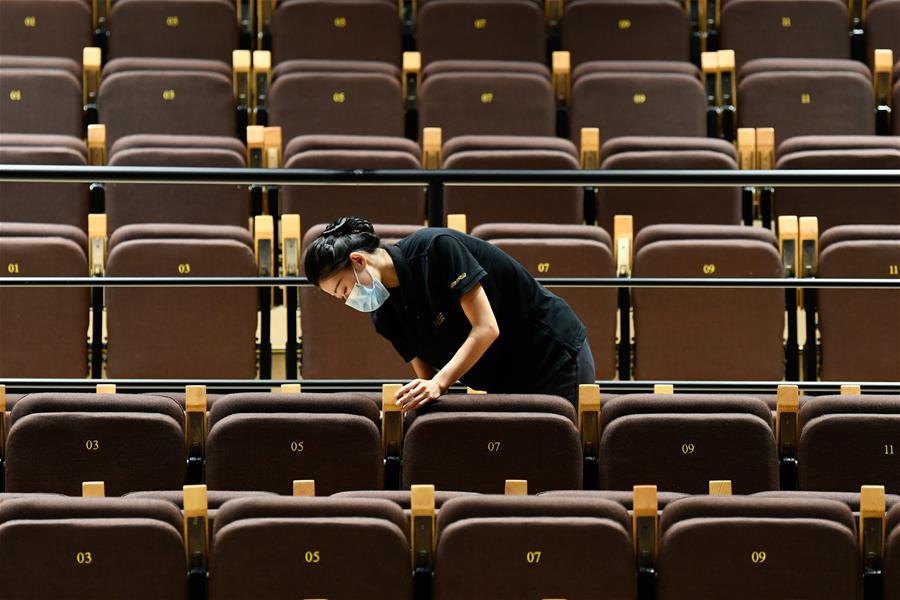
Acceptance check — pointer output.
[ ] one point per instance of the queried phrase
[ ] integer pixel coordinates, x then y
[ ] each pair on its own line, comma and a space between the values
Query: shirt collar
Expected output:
404, 275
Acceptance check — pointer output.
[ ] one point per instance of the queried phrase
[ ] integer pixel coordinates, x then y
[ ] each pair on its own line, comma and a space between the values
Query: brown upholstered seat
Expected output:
851, 499
800, 96
860, 329
191, 204
343, 548
44, 330
659, 98
130, 441
707, 333
829, 425
650, 206
803, 549
61, 28
680, 442
623, 497
485, 30
475, 442
323, 204
536, 547
214, 498
337, 30
206, 29
38, 202
403, 498
625, 30
181, 332
568, 251
41, 94
483, 97
261, 441
336, 98
883, 27
492, 204
334, 333
840, 206
777, 29
173, 96
91, 548
892, 556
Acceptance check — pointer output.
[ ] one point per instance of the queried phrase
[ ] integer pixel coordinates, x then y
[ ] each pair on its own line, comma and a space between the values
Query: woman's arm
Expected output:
477, 308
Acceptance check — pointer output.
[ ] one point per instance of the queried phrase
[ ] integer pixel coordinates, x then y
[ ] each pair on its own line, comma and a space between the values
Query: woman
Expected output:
457, 308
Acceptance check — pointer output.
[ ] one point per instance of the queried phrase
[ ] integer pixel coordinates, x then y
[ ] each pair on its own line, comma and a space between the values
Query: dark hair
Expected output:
330, 251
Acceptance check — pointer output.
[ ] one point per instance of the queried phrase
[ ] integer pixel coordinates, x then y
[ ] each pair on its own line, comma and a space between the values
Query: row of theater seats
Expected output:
621, 98
422, 544
679, 334
128, 204
463, 442
452, 29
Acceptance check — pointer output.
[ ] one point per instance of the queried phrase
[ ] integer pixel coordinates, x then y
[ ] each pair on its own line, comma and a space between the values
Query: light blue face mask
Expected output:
366, 299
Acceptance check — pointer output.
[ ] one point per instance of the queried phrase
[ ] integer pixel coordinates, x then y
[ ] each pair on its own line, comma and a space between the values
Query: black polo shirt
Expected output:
423, 317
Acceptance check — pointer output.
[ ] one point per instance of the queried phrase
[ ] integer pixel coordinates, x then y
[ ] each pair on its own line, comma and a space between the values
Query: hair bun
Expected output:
348, 226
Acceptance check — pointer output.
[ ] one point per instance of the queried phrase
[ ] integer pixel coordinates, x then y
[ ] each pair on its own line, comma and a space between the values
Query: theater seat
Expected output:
38, 202
883, 27
337, 30
492, 204
568, 251
205, 29
486, 30
472, 97
766, 29
320, 204
181, 332
261, 441
682, 441
403, 498
171, 96
541, 547
754, 547
854, 345
637, 98
328, 325
128, 204
129, 441
800, 96
329, 97
215, 499
333, 537
651, 205
475, 442
623, 30
845, 205
41, 94
708, 333
44, 329
91, 548
61, 28
870, 424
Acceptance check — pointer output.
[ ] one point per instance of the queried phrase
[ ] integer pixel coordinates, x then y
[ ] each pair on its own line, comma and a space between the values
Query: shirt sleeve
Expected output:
456, 265
388, 326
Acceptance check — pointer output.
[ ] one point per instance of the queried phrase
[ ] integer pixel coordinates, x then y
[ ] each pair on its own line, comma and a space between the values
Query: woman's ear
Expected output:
359, 260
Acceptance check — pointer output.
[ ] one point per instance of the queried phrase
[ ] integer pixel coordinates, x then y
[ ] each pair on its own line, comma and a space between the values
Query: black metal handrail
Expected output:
603, 282
424, 177
374, 385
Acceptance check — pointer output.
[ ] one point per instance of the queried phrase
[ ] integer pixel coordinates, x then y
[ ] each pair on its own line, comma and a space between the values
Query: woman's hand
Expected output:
418, 393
